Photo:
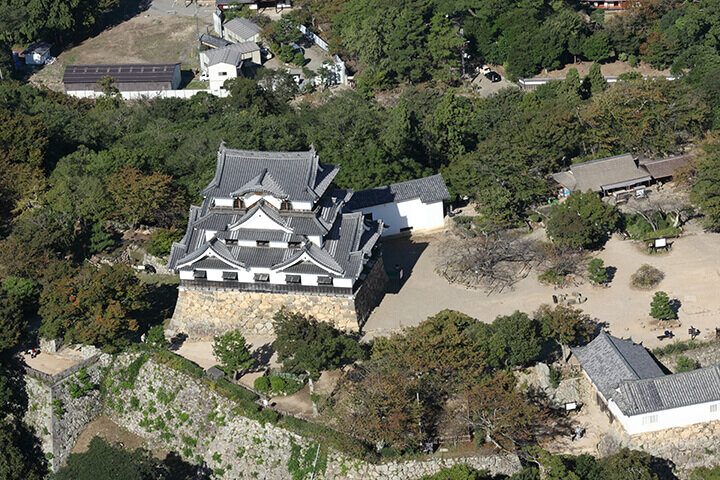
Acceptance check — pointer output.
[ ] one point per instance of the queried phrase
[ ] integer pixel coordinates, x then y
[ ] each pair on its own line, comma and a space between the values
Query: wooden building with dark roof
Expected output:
126, 78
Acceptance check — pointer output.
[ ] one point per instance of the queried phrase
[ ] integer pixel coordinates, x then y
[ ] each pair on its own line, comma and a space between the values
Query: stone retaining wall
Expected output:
179, 413
56, 417
203, 313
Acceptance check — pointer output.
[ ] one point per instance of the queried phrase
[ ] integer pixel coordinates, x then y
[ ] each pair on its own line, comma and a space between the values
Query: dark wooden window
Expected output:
230, 276
262, 277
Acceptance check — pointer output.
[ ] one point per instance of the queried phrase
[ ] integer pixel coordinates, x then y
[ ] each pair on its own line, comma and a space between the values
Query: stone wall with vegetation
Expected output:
60, 406
188, 414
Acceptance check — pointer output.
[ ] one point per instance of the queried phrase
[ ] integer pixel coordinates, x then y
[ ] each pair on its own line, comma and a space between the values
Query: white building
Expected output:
407, 206
240, 30
636, 392
225, 63
37, 54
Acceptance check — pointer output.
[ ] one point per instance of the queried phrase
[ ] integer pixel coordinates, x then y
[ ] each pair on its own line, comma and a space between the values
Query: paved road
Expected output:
177, 7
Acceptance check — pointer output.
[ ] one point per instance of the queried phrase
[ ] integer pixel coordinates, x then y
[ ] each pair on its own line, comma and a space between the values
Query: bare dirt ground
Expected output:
692, 275
146, 38
52, 363
608, 69
105, 428
202, 354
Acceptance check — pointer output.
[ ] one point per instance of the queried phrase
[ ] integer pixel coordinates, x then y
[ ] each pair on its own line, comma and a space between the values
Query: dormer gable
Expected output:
261, 217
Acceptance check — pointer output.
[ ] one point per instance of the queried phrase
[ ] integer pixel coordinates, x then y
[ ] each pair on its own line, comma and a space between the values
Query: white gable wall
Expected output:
218, 73
260, 221
409, 213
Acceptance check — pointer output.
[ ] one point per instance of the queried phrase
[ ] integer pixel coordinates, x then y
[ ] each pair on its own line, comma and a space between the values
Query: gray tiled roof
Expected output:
603, 174
428, 190
609, 361
348, 239
213, 41
232, 54
299, 174
242, 27
669, 391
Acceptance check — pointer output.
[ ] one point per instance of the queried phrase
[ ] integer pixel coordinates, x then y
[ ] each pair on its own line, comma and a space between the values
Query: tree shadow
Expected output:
179, 469
262, 356
675, 305
610, 272
177, 341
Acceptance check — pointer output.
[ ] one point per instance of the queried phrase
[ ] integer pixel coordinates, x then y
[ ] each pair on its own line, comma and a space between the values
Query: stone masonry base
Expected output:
203, 313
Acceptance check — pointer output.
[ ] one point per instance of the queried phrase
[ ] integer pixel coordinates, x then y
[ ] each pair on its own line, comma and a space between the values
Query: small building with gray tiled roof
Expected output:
604, 175
225, 63
406, 206
240, 30
638, 393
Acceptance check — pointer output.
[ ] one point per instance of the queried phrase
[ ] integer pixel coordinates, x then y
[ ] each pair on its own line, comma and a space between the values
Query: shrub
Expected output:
596, 271
277, 384
161, 240
156, 337
646, 277
685, 364
660, 307
555, 377
298, 59
262, 385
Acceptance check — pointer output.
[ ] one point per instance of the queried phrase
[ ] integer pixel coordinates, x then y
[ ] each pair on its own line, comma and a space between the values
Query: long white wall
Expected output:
670, 418
149, 94
410, 213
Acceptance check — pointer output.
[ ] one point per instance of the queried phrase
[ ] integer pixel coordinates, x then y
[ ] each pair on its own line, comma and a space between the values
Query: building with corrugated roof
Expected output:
126, 77
637, 392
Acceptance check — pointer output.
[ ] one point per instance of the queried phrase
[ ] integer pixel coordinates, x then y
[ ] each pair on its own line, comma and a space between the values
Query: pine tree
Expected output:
660, 307
596, 271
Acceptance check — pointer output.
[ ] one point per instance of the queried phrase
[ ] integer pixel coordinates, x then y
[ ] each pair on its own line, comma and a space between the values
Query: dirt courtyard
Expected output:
145, 38
692, 276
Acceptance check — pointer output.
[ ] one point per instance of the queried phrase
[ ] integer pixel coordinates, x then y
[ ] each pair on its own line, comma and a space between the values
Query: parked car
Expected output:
493, 76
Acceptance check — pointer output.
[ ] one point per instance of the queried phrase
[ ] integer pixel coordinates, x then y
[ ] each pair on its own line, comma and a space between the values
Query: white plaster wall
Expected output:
252, 199
217, 80
663, 419
302, 205
410, 213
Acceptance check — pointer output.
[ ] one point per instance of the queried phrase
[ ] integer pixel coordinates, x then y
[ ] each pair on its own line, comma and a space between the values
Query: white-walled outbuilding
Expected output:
415, 205
637, 392
225, 63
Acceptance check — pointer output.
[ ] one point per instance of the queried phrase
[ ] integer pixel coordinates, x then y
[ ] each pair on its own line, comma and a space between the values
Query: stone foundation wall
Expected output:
56, 416
202, 313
